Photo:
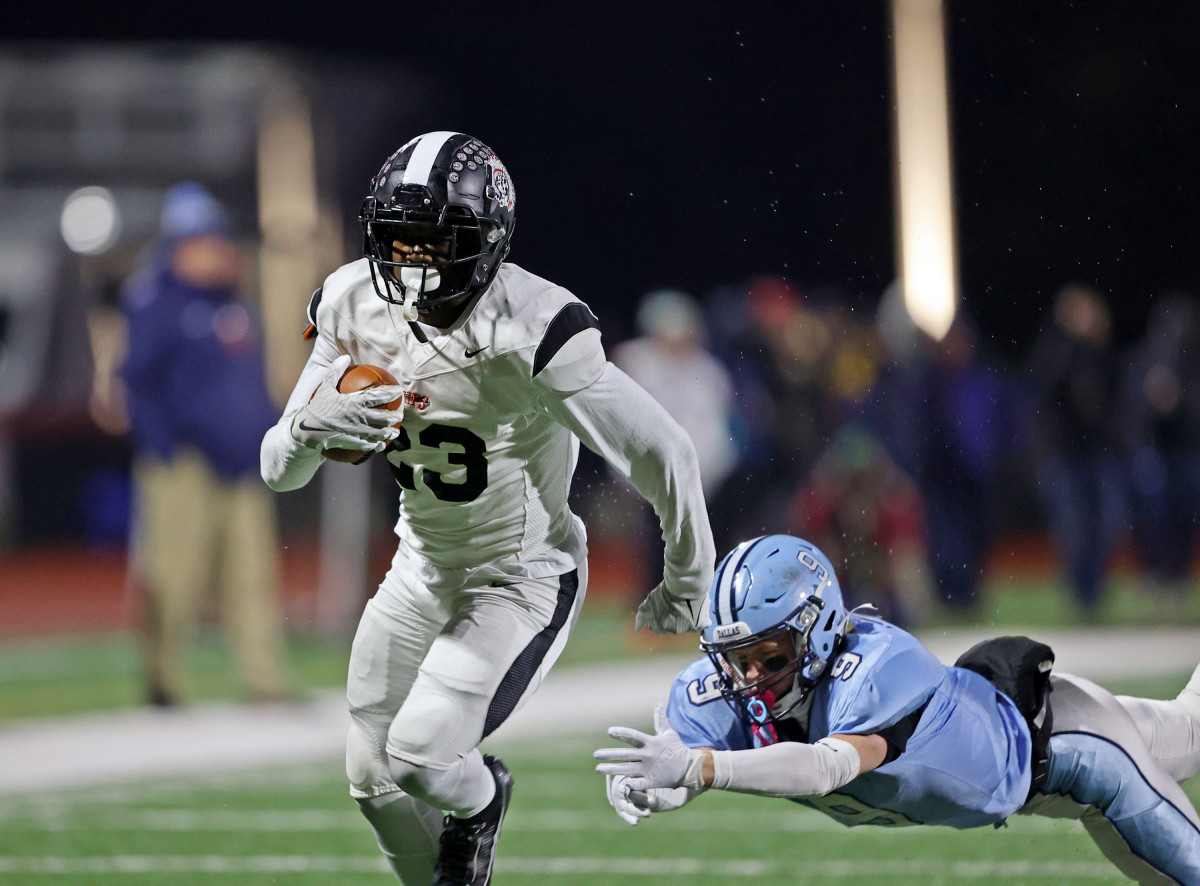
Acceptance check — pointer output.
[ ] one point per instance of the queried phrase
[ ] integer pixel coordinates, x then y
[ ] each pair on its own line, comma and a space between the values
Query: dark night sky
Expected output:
698, 144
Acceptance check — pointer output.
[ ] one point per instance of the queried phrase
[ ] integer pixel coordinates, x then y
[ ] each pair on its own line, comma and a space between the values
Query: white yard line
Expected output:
123, 746
54, 819
727, 868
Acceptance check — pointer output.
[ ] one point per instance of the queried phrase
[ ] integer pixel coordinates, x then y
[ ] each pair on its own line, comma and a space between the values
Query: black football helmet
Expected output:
447, 187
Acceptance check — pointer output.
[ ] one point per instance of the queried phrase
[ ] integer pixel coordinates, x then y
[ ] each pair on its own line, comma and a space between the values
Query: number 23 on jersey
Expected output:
461, 446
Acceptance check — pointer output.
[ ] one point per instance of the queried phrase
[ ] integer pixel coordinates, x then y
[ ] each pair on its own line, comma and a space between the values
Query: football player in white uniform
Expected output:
502, 374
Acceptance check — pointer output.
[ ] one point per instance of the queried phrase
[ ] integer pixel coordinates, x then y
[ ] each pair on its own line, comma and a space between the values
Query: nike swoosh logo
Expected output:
305, 427
469, 353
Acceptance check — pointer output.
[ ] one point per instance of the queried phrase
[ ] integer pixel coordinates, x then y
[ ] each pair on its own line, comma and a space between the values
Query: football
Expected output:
358, 377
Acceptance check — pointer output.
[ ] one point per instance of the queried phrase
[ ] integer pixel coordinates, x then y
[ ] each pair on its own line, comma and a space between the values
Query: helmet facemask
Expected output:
444, 188
789, 679
465, 261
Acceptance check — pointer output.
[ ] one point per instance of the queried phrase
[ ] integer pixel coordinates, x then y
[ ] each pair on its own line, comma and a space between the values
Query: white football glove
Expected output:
664, 613
654, 761
632, 806
346, 421
619, 797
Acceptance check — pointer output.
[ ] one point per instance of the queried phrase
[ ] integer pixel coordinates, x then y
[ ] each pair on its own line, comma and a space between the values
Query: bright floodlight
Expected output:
90, 222
928, 261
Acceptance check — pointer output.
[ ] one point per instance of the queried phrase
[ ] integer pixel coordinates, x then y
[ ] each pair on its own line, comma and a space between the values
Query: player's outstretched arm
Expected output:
317, 416
786, 769
617, 419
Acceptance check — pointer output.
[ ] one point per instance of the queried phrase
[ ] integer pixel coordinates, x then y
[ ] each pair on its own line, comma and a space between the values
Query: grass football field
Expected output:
298, 826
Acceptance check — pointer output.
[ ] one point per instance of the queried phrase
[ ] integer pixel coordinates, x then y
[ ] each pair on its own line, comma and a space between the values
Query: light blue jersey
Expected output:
966, 763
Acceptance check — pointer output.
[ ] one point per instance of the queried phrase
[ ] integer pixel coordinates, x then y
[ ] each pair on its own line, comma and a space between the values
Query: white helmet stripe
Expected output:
726, 610
424, 155
725, 594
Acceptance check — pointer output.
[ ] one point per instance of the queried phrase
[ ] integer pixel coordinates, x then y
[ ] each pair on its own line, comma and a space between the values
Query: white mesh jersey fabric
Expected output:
485, 472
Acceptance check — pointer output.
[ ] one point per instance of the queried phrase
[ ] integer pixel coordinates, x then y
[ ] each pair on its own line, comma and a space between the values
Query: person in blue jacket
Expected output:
198, 408
843, 712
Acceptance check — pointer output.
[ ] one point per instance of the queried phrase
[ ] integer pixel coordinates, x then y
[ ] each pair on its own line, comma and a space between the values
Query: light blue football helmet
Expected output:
767, 588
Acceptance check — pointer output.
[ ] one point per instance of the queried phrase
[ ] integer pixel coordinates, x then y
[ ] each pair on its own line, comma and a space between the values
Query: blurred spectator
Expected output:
1161, 423
198, 410
1080, 480
777, 350
108, 336
949, 419
898, 393
850, 372
866, 515
669, 359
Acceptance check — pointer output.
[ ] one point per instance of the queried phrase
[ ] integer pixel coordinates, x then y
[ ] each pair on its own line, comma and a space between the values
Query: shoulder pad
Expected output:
883, 674
570, 320
693, 714
344, 288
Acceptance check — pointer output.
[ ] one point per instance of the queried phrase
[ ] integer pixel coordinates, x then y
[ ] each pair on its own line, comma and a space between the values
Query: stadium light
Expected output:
90, 222
928, 264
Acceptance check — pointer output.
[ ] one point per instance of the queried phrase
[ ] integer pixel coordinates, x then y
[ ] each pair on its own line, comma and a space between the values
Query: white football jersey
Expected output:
494, 409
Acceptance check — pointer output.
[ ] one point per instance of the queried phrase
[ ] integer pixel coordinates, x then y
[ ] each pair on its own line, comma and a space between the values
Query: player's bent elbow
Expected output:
675, 441
285, 481
283, 464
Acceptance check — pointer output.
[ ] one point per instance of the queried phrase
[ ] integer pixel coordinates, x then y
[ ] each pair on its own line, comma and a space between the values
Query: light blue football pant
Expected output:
1114, 765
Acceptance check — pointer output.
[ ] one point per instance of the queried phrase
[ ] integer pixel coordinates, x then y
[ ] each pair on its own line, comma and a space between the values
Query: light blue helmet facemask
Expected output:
770, 588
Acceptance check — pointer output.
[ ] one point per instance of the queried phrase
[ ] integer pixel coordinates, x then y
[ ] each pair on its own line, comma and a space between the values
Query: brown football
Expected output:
359, 377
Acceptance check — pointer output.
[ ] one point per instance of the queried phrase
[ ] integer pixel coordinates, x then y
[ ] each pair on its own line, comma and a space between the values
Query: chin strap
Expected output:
415, 281
760, 712
409, 308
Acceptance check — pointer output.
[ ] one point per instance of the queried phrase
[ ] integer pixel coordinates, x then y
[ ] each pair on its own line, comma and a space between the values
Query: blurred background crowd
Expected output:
909, 459
731, 228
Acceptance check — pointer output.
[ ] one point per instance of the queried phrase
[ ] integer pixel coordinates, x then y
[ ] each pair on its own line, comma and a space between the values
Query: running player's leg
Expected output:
498, 643
407, 831
527, 670
1102, 772
395, 631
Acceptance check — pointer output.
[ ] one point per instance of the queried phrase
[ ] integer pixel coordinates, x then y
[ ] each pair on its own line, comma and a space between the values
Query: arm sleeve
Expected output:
618, 420
787, 769
284, 463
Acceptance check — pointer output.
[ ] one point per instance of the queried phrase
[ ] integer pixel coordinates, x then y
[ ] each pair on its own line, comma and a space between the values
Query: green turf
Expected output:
1032, 602
88, 672
298, 827
76, 674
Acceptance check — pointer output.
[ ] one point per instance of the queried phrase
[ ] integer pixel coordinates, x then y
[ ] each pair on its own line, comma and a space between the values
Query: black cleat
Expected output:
468, 845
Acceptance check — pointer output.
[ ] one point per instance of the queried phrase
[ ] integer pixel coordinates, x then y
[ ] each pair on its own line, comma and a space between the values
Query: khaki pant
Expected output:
197, 531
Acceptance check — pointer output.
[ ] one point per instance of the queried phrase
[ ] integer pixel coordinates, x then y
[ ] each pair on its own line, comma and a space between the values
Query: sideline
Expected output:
128, 745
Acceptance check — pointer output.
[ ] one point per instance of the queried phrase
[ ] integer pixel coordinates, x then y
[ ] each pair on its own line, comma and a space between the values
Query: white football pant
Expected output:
431, 675
1115, 764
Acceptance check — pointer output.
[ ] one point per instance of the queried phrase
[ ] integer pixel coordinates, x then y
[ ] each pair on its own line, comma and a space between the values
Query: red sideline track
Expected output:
65, 589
